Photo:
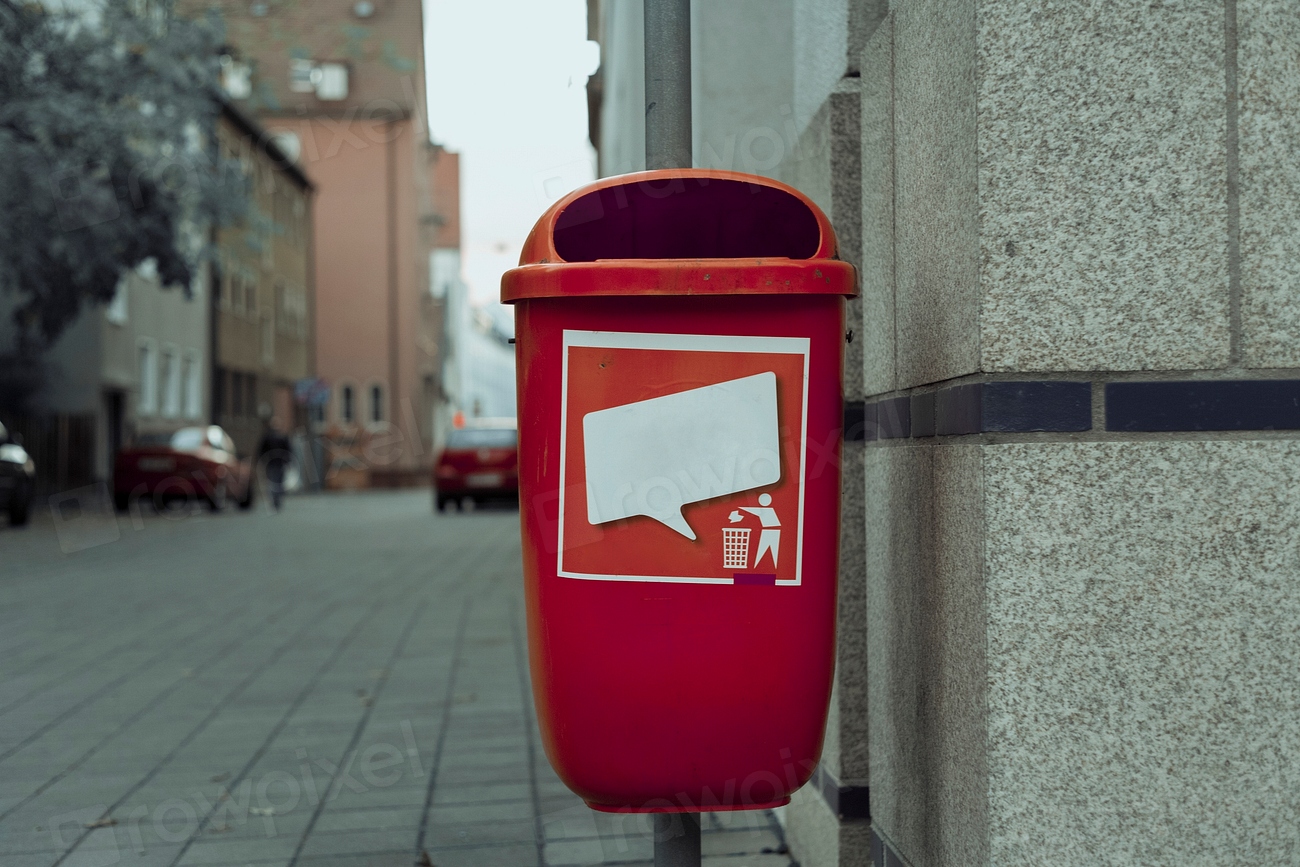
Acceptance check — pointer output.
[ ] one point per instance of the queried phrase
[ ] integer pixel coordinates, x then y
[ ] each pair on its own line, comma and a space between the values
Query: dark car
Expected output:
17, 479
192, 464
479, 463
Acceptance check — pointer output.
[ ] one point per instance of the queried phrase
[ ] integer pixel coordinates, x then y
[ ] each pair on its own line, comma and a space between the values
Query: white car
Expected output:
17, 479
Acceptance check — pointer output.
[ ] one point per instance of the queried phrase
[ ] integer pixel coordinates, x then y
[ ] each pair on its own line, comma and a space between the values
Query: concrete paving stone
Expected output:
153, 856
360, 841
399, 858
378, 798
737, 819
332, 820
523, 855
563, 853
19, 840
480, 834
500, 811
468, 758
234, 851
738, 842
483, 793
33, 859
482, 775
552, 803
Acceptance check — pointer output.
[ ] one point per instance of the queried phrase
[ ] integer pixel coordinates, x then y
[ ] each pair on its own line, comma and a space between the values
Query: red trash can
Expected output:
680, 345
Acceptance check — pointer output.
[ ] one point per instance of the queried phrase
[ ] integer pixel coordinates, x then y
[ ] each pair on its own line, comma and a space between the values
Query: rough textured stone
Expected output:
1102, 184
846, 212
925, 635
850, 699
936, 204
807, 166
821, 56
864, 17
743, 103
1143, 643
1268, 82
876, 273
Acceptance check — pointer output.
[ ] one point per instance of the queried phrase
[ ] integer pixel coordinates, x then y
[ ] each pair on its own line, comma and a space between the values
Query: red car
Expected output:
192, 464
479, 463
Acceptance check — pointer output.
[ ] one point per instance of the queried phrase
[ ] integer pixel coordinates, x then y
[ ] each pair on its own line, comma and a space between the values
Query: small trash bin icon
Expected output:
735, 548
679, 345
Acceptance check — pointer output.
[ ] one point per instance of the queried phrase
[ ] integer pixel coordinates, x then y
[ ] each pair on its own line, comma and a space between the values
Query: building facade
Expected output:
340, 87
263, 328
140, 364
1068, 593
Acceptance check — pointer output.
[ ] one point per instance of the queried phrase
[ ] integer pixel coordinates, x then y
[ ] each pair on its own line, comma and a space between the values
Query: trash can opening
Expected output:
687, 218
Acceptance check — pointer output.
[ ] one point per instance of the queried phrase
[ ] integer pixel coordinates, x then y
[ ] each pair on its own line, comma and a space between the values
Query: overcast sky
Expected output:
507, 91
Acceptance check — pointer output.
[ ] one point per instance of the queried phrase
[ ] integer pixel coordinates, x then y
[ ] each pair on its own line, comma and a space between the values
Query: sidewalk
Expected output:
341, 684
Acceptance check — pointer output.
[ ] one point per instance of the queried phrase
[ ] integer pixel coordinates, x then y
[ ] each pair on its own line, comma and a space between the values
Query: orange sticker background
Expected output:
604, 377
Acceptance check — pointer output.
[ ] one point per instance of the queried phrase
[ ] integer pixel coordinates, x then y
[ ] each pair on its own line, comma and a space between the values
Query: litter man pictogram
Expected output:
769, 540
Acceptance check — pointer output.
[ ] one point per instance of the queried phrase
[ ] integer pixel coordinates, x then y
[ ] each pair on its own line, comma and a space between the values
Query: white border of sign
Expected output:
684, 343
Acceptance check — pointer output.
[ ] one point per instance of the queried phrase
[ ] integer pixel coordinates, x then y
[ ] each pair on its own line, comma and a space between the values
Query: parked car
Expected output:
479, 463
17, 478
194, 463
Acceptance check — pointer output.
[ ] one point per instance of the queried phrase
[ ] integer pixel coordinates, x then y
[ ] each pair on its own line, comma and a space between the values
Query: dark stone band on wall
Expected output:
1029, 406
846, 802
855, 427
1259, 404
982, 407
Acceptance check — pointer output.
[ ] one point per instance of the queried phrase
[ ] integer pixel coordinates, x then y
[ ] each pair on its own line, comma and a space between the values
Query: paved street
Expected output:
340, 684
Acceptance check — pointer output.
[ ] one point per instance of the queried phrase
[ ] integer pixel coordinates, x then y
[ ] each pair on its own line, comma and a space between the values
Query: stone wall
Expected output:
1080, 307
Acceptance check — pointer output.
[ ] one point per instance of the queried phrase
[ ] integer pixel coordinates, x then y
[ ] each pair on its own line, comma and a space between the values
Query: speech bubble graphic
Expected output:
655, 456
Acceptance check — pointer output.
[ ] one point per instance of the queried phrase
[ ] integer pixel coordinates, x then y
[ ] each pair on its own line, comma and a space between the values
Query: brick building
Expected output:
340, 87
262, 325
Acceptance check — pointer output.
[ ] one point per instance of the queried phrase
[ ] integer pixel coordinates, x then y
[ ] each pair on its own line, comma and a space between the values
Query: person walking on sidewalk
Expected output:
273, 456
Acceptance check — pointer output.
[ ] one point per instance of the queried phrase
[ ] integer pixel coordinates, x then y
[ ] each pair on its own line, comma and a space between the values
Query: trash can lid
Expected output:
680, 232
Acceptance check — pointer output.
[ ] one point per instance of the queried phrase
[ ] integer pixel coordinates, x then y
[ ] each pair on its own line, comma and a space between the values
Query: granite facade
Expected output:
926, 652
876, 274
936, 200
1268, 90
1103, 228
1143, 634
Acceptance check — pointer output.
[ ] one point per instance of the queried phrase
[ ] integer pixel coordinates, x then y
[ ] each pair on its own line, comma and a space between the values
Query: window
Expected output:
116, 311
330, 81
236, 78
219, 392
236, 394
148, 378
347, 405
268, 341
376, 404
250, 382
316, 412
171, 383
250, 297
193, 384
300, 71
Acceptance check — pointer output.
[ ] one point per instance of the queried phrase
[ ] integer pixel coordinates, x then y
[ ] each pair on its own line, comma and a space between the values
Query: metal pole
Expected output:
677, 840
667, 84
668, 146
